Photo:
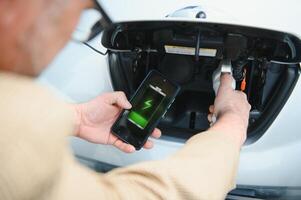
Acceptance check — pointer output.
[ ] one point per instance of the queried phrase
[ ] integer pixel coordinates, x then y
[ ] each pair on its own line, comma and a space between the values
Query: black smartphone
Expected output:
149, 104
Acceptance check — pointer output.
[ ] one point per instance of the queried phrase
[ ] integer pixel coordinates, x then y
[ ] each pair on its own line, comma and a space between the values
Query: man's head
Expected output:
33, 31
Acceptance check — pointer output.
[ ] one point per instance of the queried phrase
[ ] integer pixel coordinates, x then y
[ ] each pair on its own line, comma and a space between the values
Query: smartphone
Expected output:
149, 104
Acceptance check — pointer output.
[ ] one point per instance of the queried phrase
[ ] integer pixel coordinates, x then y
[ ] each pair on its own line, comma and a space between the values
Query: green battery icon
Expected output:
146, 107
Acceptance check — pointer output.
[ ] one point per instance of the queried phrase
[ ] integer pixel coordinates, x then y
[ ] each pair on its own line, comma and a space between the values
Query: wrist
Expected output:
231, 125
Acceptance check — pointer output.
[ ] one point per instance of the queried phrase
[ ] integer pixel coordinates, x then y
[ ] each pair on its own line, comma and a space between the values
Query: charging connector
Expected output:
224, 67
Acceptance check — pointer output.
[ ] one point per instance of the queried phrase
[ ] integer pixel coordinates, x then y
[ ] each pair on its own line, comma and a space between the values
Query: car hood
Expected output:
280, 16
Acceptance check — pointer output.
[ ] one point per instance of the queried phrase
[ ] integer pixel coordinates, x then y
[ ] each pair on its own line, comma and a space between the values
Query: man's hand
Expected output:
96, 117
232, 110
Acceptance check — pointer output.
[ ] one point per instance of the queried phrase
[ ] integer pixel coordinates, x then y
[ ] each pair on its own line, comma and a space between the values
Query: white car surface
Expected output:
79, 74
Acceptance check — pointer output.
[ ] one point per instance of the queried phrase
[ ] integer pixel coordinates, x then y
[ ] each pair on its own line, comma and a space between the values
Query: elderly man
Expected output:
36, 162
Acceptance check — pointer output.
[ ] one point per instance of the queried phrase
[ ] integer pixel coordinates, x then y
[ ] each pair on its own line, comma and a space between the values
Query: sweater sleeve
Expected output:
36, 163
205, 168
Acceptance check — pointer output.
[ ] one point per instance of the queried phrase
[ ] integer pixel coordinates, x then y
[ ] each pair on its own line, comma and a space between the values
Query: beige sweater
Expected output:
36, 163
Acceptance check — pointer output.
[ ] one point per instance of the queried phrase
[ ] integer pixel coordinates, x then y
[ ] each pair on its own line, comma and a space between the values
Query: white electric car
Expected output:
186, 40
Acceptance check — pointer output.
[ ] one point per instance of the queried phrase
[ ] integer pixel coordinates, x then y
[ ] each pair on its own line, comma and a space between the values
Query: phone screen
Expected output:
149, 103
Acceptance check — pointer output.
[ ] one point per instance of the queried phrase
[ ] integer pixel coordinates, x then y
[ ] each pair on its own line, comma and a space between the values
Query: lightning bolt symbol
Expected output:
147, 104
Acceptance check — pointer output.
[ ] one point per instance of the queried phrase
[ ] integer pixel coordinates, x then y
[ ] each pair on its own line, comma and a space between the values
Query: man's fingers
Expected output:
156, 133
127, 148
119, 99
148, 145
209, 117
211, 109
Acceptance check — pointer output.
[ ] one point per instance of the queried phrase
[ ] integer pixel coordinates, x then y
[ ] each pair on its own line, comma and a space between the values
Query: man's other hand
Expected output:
95, 119
232, 110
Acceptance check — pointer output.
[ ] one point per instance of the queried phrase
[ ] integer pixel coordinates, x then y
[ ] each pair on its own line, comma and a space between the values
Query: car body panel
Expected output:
269, 14
274, 160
